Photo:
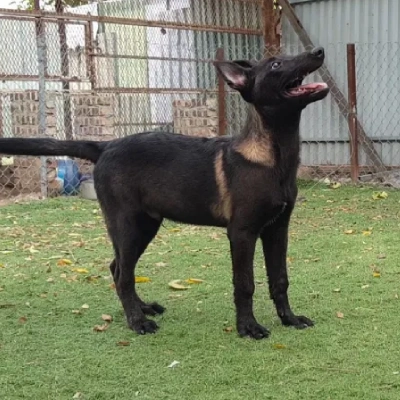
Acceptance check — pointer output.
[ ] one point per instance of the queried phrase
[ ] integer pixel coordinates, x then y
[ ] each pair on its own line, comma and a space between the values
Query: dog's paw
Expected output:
253, 330
152, 309
297, 321
144, 327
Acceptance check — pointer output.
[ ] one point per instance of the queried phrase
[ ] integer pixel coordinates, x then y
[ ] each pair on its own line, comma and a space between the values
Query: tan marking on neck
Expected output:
223, 207
257, 146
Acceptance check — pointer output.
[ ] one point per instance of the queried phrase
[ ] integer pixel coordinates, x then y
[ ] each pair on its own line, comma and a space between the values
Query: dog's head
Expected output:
276, 82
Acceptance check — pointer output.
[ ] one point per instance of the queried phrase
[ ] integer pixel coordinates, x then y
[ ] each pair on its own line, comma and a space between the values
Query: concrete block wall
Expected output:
93, 119
196, 117
93, 116
25, 116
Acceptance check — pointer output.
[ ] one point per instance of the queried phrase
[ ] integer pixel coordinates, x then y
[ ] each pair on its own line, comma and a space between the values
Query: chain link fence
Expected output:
85, 77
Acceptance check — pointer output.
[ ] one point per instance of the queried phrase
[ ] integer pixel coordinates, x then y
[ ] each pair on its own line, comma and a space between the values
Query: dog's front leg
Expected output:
242, 244
275, 242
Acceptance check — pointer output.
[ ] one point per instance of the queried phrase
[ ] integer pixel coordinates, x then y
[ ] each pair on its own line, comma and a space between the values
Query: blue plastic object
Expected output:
68, 172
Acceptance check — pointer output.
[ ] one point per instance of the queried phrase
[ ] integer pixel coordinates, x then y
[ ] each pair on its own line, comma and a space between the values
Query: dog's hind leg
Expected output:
130, 236
151, 309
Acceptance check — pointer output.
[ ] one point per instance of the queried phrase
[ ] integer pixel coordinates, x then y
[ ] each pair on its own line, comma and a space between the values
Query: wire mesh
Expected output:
94, 80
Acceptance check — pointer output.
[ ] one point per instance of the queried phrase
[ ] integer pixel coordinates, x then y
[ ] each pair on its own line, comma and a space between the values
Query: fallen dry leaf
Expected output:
337, 290
340, 315
176, 285
174, 296
379, 195
50, 280
101, 328
6, 252
228, 329
173, 364
106, 317
22, 320
92, 278
349, 231
63, 276
63, 262
161, 264
279, 346
77, 395
141, 279
194, 280
364, 286
123, 343
381, 256
85, 306
33, 250
175, 230
335, 185
80, 270
367, 233
2, 265
376, 274
76, 312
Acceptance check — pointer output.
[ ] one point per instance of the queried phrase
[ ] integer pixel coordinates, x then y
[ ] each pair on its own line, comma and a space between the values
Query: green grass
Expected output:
49, 352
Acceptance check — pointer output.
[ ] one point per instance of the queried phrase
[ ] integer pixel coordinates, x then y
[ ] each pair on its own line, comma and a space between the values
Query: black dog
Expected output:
246, 183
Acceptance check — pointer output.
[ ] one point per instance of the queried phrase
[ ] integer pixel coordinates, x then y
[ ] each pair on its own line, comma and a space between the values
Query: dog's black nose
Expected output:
318, 52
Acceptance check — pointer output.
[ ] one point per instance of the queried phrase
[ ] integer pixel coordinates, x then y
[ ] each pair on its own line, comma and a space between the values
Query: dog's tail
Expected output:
89, 150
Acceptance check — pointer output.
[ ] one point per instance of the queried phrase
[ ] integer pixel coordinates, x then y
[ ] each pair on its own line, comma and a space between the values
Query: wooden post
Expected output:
352, 116
271, 41
221, 98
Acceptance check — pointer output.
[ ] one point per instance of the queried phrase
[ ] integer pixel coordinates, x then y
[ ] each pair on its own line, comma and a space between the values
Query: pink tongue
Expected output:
310, 87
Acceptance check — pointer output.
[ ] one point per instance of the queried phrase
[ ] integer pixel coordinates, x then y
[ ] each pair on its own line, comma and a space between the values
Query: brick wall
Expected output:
25, 117
93, 116
196, 117
93, 119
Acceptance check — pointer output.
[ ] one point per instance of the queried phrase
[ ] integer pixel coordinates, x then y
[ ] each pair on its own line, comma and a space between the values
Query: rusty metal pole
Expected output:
221, 97
271, 42
90, 66
64, 71
352, 115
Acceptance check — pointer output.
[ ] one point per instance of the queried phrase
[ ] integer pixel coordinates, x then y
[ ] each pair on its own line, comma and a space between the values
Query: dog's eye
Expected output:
275, 65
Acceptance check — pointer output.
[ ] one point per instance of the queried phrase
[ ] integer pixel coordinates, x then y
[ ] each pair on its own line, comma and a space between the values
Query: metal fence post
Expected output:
352, 116
221, 97
59, 6
42, 71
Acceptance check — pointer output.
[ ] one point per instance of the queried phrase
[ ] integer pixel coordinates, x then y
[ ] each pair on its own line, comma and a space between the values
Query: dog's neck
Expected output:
272, 137
266, 124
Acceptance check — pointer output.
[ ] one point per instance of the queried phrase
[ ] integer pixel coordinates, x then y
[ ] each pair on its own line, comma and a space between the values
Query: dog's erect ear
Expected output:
234, 74
245, 63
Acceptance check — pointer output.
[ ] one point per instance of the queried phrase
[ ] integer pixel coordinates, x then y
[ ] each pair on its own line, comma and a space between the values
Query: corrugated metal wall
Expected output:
374, 26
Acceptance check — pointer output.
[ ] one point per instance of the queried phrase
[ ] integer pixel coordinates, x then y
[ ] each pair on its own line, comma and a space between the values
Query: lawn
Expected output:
344, 273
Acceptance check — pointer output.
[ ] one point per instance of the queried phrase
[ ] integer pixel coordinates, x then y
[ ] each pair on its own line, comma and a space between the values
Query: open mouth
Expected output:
295, 87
